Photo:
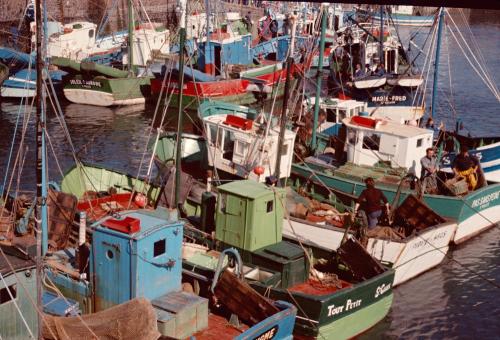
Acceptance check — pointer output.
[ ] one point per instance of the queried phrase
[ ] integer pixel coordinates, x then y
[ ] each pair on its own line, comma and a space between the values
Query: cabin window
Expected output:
5, 294
91, 33
222, 202
228, 145
284, 150
371, 142
342, 115
351, 137
159, 247
331, 116
240, 148
220, 138
269, 206
212, 131
420, 142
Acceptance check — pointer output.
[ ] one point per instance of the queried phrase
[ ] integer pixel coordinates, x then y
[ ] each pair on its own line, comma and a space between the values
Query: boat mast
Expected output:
41, 180
381, 35
436, 61
207, 44
182, 38
318, 77
130, 35
289, 65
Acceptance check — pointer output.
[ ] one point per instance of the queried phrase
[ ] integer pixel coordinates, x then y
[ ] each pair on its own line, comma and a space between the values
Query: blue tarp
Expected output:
15, 59
189, 73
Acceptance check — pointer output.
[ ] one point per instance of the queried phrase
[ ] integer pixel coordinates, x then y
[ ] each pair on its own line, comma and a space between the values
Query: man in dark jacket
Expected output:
372, 199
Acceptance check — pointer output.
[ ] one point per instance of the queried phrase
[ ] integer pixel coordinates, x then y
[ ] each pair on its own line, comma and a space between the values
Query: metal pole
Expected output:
182, 37
41, 188
318, 77
381, 36
207, 43
281, 141
130, 35
436, 61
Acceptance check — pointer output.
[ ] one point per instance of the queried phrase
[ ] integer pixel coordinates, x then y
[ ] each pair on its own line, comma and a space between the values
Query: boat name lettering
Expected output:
484, 201
268, 335
423, 242
350, 304
382, 289
388, 99
85, 83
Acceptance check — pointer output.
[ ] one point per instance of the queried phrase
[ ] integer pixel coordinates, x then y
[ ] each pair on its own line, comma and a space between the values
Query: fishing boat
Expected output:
403, 16
415, 242
395, 92
388, 151
94, 84
4, 72
249, 216
22, 84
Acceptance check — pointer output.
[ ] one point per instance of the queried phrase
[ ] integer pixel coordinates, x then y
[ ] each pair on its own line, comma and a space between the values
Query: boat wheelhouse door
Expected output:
391, 61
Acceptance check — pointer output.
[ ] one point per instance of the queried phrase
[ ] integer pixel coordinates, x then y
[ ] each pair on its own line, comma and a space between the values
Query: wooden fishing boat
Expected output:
419, 244
244, 87
249, 216
387, 152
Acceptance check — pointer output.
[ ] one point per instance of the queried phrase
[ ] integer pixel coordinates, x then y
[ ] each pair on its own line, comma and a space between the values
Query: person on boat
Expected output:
368, 70
380, 70
273, 27
371, 198
429, 171
248, 21
465, 165
359, 73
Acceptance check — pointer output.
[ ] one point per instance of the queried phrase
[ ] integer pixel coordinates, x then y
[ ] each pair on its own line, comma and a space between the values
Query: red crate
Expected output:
128, 225
238, 122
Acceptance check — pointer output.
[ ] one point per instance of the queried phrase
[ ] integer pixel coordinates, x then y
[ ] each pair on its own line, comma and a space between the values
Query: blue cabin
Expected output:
224, 52
17, 290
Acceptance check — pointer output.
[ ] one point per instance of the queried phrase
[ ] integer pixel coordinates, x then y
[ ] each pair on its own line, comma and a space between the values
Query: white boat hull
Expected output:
405, 81
15, 92
409, 258
370, 83
477, 223
98, 98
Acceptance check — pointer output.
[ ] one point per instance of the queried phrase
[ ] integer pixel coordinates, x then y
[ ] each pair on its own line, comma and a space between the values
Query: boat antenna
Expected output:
182, 38
436, 61
319, 74
40, 161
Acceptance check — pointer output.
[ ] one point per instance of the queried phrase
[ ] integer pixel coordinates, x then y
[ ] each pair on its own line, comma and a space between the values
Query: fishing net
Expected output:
132, 320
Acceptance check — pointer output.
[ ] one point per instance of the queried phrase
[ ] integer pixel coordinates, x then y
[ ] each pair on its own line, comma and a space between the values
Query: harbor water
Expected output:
456, 300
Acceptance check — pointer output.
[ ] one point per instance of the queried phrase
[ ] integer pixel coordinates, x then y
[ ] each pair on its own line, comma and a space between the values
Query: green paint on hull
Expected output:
80, 179
456, 208
357, 323
120, 88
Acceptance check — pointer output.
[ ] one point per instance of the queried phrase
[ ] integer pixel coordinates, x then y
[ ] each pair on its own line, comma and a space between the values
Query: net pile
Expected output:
132, 320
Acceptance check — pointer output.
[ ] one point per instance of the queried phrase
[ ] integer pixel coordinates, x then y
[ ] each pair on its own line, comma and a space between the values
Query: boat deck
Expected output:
219, 328
314, 287
99, 207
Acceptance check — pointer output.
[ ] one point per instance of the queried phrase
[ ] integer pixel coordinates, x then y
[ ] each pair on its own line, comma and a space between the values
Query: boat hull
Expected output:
408, 20
107, 91
474, 212
409, 257
334, 316
17, 92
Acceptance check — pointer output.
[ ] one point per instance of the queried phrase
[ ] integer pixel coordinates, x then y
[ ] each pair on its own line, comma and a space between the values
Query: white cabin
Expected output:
372, 140
147, 41
334, 110
238, 146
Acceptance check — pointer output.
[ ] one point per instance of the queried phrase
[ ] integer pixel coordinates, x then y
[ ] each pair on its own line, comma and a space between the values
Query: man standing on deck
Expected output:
371, 198
465, 165
429, 171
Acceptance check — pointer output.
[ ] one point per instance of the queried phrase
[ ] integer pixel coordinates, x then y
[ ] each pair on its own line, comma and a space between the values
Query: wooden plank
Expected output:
243, 300
359, 261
